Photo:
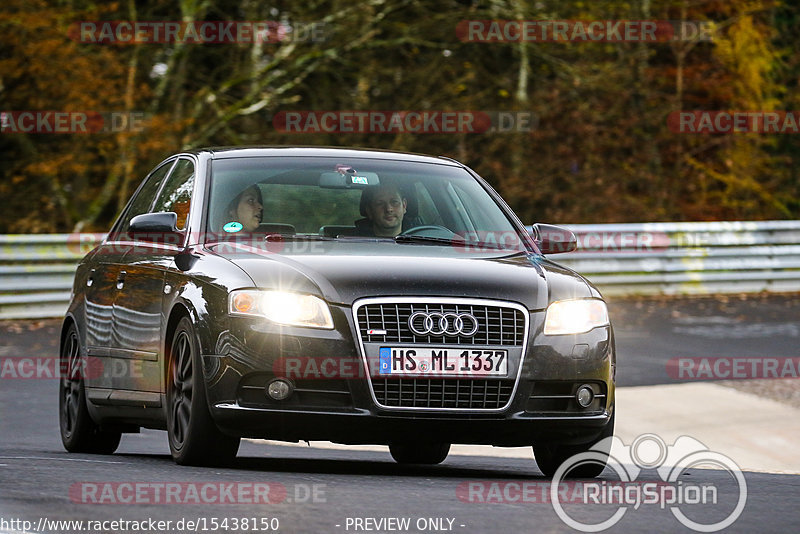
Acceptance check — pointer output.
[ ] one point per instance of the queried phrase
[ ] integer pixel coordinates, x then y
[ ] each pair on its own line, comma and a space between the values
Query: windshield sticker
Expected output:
233, 227
360, 180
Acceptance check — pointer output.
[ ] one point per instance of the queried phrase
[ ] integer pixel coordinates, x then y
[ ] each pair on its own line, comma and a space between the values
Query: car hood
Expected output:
342, 272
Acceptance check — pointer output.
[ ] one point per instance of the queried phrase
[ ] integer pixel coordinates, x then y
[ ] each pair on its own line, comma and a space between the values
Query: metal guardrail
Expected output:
688, 258
36, 271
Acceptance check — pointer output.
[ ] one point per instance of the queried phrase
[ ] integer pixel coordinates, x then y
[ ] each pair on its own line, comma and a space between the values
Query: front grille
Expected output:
496, 325
442, 393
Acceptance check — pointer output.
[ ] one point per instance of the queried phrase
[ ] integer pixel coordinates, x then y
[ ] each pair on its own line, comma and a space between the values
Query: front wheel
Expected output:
549, 456
419, 453
194, 439
78, 432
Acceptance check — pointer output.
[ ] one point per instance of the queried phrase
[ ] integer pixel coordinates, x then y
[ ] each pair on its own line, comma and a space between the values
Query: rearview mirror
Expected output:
347, 179
553, 239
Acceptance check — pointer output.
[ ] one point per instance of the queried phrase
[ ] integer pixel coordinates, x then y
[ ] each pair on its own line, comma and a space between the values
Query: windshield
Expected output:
351, 198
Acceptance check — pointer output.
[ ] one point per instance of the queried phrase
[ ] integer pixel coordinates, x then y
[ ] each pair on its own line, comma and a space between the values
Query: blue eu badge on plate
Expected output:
385, 355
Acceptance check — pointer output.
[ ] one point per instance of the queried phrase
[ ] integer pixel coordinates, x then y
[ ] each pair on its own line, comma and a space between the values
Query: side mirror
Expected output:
154, 223
156, 228
553, 239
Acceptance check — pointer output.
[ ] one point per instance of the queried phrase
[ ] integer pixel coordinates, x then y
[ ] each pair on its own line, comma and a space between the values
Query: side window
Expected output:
176, 195
427, 208
466, 210
143, 200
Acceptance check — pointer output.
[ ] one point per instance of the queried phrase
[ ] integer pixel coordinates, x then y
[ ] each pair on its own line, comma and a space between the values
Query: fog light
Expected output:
584, 396
279, 389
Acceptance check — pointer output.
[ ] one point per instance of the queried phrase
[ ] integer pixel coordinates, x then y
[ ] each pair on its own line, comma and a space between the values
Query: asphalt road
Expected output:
321, 490
650, 332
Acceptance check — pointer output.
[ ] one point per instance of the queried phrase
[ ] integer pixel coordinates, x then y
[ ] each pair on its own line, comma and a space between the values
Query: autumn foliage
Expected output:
601, 148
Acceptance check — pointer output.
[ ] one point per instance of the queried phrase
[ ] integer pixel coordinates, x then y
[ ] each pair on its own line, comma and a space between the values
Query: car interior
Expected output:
315, 201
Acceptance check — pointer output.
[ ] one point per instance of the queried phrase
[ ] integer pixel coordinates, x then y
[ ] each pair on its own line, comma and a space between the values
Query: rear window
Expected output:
309, 207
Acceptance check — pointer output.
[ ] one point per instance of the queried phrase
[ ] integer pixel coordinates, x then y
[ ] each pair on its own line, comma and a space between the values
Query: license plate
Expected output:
442, 362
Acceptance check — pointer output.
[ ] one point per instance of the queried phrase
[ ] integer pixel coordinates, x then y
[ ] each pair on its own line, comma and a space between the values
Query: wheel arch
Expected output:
183, 309
178, 312
69, 320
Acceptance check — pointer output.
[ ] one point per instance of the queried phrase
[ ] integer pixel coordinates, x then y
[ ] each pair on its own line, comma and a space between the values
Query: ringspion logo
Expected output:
651, 452
569, 492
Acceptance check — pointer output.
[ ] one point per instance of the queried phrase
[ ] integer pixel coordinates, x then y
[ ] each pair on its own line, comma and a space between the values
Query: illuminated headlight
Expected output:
575, 316
281, 307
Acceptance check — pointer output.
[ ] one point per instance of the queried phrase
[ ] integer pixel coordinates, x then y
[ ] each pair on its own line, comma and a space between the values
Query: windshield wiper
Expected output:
469, 246
421, 239
425, 240
297, 237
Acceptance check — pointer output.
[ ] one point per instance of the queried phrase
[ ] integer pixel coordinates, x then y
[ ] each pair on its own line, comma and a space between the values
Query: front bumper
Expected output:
364, 427
333, 400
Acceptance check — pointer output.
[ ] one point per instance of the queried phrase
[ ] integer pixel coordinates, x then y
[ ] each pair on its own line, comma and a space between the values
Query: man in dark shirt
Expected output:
384, 207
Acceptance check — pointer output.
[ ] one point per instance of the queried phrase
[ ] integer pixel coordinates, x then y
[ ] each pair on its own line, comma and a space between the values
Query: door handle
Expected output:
121, 279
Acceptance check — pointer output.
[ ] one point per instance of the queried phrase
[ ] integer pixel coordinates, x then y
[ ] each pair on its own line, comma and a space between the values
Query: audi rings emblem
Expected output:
447, 324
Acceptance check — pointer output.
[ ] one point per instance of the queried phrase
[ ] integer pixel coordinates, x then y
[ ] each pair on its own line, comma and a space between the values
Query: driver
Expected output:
384, 207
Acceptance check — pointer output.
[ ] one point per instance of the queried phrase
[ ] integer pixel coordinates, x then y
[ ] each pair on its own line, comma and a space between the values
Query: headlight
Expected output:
281, 307
575, 316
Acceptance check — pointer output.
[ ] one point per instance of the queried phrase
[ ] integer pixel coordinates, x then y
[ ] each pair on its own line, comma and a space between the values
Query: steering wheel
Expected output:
430, 230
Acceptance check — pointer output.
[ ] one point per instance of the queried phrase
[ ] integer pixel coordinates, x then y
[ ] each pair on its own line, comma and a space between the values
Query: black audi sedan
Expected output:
346, 295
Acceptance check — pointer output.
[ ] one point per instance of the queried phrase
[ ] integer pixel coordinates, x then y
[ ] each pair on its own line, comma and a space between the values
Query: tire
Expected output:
78, 432
549, 456
194, 439
419, 453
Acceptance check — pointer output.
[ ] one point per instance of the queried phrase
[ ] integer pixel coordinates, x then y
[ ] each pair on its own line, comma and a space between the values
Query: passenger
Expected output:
384, 206
247, 209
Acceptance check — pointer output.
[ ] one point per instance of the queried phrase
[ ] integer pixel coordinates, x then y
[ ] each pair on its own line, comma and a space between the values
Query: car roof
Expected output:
317, 151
